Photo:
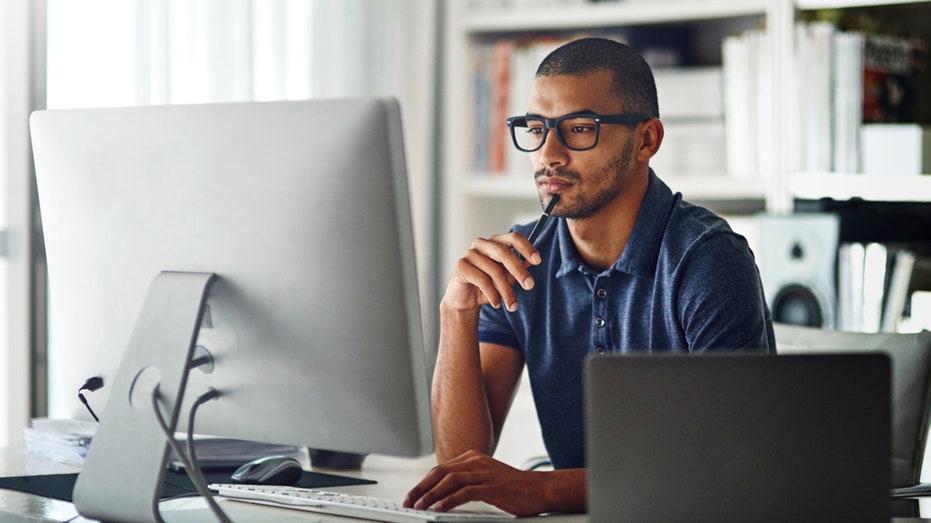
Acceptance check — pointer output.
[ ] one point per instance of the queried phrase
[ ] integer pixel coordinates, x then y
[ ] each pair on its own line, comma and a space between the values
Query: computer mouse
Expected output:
270, 470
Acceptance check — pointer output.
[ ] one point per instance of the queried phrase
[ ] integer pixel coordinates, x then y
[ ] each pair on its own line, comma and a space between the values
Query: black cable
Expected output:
211, 394
92, 384
196, 477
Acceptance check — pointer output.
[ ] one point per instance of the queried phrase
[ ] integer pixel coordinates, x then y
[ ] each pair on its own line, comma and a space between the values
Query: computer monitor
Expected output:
274, 237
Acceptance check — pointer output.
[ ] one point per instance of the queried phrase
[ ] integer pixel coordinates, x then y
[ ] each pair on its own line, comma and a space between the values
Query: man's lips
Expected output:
552, 185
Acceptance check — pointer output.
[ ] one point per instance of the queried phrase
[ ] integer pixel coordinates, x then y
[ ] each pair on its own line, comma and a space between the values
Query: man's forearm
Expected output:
461, 417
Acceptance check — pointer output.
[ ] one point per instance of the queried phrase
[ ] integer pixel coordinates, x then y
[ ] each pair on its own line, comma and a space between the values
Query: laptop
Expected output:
738, 438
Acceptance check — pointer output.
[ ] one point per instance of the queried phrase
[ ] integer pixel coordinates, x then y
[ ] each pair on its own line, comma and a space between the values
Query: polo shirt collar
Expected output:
642, 247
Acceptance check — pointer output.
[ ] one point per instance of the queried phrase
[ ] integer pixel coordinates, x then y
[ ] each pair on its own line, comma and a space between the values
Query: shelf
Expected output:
890, 188
693, 187
837, 4
488, 186
622, 13
710, 188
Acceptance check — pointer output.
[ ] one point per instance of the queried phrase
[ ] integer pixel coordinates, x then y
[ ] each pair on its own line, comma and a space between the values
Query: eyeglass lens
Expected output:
575, 133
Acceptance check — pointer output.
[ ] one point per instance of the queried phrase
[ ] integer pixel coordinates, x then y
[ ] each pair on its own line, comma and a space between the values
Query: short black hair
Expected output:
633, 81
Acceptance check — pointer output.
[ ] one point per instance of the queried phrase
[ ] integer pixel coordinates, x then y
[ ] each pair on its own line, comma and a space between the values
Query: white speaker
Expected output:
798, 260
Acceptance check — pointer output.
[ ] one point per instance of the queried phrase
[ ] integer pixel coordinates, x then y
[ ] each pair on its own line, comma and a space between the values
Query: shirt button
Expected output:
600, 322
602, 293
601, 350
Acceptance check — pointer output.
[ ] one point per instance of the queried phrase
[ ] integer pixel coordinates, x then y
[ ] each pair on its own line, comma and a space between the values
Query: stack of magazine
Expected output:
67, 441
60, 441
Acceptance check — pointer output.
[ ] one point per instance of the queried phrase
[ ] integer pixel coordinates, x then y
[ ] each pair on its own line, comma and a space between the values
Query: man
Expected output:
625, 266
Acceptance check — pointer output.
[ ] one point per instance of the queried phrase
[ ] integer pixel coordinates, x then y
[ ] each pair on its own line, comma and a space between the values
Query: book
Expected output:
874, 280
899, 281
814, 56
738, 101
497, 133
748, 95
888, 80
851, 258
848, 101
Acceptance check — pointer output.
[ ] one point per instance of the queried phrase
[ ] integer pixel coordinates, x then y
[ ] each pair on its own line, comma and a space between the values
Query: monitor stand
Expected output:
122, 475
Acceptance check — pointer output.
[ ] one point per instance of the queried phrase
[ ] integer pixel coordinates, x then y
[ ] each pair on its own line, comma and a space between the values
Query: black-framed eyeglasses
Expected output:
576, 131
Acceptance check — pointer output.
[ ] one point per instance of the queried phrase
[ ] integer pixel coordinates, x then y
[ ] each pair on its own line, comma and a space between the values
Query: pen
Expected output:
539, 225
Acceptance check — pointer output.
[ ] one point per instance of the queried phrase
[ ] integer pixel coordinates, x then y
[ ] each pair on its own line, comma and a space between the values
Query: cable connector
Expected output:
210, 395
92, 384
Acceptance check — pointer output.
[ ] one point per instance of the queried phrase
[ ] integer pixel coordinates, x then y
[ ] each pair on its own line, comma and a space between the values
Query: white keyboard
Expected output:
363, 507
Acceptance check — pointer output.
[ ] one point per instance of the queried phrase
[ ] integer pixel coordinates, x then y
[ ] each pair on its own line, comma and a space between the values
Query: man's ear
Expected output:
651, 137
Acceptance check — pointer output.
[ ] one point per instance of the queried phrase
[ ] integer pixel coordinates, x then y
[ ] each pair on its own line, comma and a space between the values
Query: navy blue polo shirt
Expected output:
685, 283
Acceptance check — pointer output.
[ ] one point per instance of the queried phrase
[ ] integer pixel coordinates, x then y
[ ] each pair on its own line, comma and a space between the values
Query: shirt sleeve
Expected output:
494, 327
493, 324
720, 300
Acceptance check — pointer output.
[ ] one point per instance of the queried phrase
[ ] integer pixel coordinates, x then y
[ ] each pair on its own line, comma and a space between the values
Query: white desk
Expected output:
395, 477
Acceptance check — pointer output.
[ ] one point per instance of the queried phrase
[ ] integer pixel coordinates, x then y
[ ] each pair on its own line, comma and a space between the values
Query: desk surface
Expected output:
395, 477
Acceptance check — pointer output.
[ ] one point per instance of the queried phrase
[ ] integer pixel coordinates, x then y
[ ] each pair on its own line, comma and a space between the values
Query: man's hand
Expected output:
475, 476
488, 271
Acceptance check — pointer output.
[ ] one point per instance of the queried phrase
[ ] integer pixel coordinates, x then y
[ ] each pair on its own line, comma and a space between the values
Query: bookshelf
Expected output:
845, 186
834, 4
604, 14
477, 202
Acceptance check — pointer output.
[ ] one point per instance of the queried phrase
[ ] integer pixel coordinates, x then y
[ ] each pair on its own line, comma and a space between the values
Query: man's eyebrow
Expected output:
578, 111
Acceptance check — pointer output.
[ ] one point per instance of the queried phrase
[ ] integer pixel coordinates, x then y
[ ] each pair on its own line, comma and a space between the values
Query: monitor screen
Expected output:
301, 211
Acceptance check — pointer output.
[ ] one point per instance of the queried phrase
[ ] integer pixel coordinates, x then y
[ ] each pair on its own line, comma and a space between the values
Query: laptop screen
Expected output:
738, 437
